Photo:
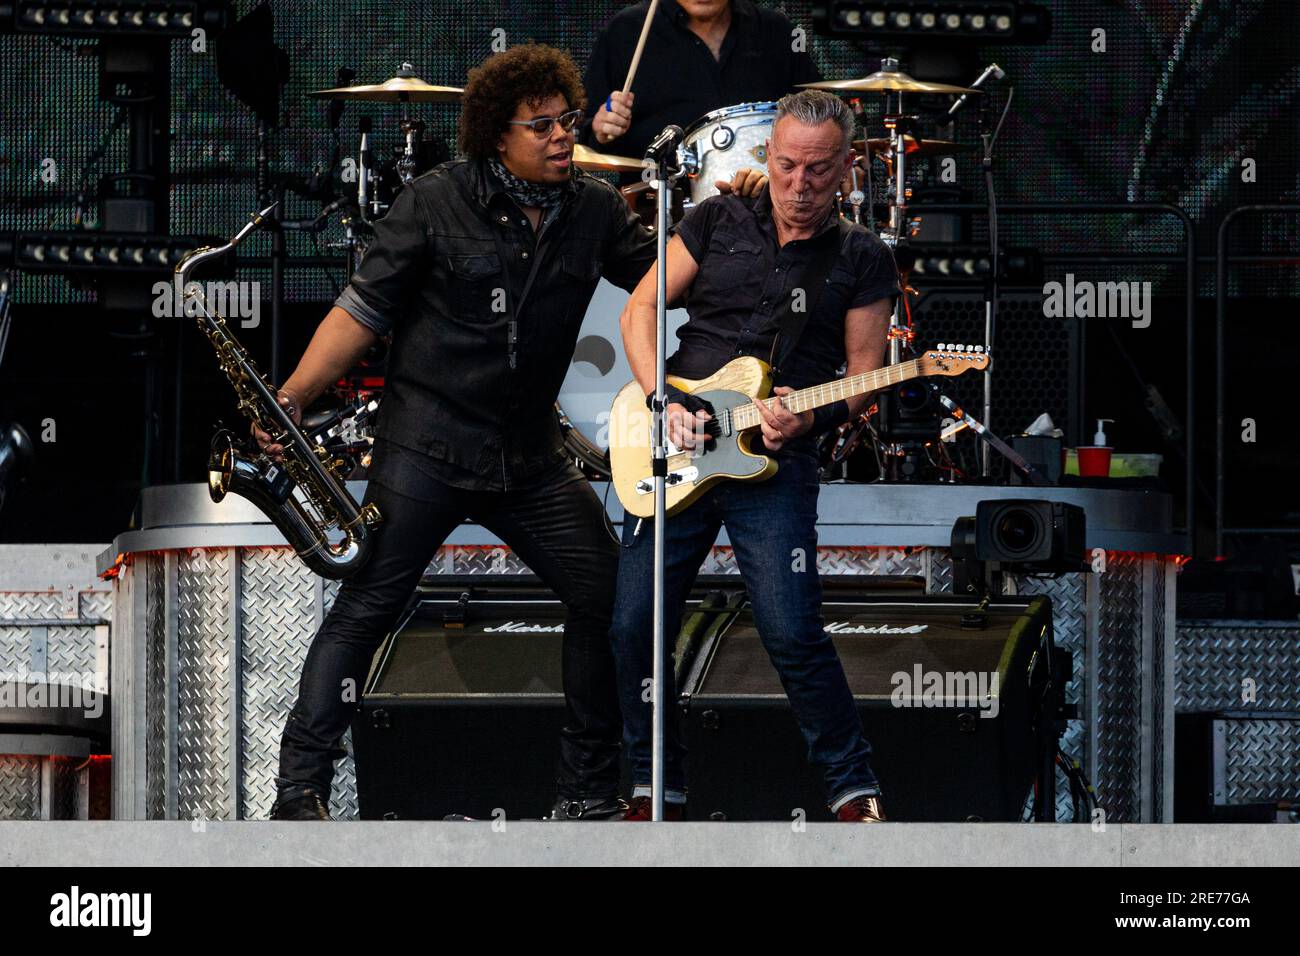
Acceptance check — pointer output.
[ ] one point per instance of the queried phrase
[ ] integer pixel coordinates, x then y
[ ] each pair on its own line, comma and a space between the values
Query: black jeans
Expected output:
556, 525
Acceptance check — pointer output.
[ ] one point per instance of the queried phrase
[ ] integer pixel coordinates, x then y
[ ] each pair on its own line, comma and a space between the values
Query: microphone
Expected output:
665, 144
993, 70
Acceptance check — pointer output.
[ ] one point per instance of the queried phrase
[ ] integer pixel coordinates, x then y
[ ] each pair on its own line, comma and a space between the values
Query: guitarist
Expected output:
782, 277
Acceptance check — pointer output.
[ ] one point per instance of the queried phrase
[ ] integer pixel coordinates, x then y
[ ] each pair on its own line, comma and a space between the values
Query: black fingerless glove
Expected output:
675, 396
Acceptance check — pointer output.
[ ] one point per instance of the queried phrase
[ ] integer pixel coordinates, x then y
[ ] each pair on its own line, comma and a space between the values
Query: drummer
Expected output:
700, 55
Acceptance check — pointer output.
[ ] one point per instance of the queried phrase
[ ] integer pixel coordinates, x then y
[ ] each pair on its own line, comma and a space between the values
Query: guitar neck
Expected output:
806, 399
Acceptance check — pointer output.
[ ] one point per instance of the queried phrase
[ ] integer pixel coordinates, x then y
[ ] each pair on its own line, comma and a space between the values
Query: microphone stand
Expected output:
989, 138
990, 286
665, 173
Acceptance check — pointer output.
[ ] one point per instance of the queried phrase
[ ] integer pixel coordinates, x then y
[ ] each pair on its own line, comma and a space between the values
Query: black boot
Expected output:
593, 808
306, 805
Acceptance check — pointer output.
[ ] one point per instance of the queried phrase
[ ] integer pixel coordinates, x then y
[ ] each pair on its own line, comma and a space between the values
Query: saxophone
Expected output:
239, 466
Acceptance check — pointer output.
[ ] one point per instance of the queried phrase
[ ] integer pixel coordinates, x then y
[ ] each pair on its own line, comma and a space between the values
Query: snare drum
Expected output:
598, 370
723, 142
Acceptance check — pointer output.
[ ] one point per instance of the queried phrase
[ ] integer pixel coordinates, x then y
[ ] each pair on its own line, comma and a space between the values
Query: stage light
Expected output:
95, 251
174, 18
942, 262
953, 20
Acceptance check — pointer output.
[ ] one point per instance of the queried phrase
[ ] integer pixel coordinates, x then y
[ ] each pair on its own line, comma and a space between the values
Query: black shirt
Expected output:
471, 386
678, 80
744, 275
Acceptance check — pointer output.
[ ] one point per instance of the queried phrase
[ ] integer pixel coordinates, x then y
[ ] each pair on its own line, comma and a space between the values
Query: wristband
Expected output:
829, 417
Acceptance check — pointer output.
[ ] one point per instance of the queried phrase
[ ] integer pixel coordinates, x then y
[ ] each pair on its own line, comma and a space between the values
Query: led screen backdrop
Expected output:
1184, 91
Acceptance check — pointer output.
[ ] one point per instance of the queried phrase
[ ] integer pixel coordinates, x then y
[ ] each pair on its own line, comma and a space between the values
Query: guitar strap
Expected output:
790, 323
512, 326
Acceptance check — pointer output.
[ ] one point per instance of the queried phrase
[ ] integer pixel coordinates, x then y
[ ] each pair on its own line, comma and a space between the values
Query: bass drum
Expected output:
598, 370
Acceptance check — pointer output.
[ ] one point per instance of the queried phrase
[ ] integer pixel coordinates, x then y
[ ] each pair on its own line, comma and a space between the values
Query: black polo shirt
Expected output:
744, 275
678, 80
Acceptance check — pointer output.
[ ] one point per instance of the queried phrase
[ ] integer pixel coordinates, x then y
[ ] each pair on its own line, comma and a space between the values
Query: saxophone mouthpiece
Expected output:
259, 216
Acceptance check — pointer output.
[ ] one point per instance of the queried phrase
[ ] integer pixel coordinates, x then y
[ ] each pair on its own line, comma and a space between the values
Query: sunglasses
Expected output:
543, 125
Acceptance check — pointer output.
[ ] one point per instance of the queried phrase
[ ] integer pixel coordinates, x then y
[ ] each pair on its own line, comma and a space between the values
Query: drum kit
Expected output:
715, 147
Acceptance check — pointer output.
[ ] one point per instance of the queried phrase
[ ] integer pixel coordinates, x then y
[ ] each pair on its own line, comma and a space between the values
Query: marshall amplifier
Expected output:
463, 706
950, 694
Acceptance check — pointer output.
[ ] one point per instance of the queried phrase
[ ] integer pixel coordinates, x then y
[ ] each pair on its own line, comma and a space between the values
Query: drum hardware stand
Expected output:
663, 152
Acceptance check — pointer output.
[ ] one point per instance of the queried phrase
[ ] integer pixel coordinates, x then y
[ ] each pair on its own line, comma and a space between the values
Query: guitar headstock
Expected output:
952, 360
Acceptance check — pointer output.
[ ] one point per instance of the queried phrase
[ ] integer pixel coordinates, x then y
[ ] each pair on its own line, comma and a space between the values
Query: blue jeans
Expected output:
773, 530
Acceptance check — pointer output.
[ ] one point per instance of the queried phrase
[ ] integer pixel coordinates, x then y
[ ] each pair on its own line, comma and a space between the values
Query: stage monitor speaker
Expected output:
463, 707
949, 696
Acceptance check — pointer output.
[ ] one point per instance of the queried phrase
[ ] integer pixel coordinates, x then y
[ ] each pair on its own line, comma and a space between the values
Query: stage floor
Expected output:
515, 843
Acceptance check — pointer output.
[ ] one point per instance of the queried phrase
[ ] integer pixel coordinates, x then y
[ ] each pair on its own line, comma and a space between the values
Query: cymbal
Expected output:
586, 158
399, 89
885, 81
926, 147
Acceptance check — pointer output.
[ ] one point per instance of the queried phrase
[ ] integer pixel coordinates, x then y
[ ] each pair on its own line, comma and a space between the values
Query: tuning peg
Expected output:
979, 348
941, 346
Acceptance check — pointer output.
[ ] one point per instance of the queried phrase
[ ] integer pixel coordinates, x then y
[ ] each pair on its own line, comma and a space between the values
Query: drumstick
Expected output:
640, 44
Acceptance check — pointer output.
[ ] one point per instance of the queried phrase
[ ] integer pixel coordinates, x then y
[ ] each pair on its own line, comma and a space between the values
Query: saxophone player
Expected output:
482, 272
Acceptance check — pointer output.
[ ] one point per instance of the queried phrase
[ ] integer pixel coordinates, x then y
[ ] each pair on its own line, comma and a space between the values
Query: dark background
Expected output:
1183, 93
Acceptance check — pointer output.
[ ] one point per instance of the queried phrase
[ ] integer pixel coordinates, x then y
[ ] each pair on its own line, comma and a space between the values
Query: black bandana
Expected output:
538, 195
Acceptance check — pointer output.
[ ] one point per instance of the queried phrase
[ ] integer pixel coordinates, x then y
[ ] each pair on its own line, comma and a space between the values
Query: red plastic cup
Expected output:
1094, 461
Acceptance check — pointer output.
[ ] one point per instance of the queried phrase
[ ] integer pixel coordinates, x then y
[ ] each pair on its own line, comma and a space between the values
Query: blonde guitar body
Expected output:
727, 455
631, 441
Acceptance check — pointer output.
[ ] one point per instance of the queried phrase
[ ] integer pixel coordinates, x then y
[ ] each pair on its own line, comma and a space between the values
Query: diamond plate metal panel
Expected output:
1261, 761
1214, 660
205, 676
71, 650
1068, 594
96, 604
155, 681
15, 650
20, 604
1117, 711
343, 798
20, 788
277, 609
939, 578
1155, 580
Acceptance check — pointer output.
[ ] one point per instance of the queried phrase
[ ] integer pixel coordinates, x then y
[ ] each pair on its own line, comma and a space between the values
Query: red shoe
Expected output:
639, 811
862, 810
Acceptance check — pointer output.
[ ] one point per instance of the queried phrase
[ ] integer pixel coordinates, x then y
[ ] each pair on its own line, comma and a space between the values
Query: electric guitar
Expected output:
726, 454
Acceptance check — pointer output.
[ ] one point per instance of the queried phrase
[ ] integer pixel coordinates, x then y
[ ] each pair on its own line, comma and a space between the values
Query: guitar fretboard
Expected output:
805, 399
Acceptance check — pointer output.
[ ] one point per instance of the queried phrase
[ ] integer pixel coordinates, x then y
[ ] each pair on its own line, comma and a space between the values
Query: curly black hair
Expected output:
532, 73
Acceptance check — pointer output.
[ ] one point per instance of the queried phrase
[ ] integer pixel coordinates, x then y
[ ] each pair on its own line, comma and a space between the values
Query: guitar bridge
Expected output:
646, 486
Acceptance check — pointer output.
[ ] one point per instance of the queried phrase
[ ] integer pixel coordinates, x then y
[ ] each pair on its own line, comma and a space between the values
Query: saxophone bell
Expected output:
269, 486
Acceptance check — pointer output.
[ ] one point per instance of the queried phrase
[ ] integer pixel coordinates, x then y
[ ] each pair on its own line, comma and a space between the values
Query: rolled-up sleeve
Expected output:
394, 263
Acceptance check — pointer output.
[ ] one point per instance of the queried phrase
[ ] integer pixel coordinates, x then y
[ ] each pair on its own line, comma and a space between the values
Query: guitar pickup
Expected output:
646, 486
